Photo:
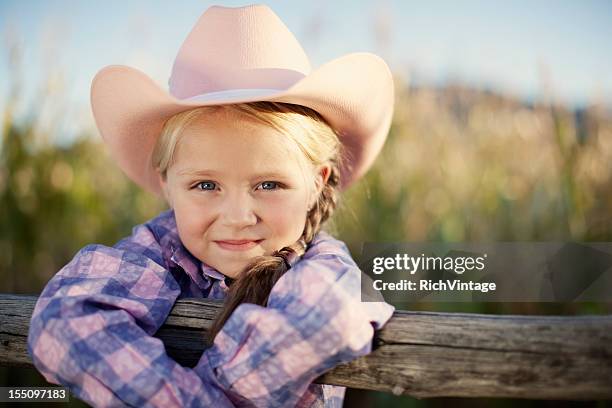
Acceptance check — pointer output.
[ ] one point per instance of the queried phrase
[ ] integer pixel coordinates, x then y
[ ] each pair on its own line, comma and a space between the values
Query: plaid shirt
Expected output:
93, 323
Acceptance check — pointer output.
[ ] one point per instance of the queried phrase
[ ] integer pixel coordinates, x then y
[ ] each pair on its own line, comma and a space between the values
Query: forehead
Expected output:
237, 145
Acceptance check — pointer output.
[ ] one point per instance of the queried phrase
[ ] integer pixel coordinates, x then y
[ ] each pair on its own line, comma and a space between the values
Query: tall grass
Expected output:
468, 165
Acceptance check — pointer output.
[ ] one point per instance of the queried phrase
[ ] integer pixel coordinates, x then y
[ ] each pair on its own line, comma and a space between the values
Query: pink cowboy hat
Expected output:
236, 55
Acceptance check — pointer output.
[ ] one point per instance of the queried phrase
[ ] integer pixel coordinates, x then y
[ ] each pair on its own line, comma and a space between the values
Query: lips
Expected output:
238, 244
239, 241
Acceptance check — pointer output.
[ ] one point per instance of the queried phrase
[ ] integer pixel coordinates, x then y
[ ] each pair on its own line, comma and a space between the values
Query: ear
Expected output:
320, 181
163, 182
322, 177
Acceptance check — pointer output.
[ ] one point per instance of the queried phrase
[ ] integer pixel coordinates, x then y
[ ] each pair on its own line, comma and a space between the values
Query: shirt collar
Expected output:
212, 272
202, 274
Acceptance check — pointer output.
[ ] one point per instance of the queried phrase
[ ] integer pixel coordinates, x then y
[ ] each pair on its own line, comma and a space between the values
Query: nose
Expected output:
238, 212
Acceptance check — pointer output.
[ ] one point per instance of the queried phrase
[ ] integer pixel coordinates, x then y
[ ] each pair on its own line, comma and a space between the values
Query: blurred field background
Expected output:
461, 164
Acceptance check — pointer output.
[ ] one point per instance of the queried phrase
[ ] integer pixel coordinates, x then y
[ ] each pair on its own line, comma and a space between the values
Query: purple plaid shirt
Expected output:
93, 323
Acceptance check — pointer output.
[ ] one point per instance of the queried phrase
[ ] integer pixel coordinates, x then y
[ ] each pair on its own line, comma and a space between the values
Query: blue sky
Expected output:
522, 48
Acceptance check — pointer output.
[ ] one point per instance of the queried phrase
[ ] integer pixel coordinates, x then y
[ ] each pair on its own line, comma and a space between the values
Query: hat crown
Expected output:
237, 48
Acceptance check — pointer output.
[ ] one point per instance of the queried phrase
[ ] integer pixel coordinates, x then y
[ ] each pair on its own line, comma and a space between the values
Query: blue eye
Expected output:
206, 185
270, 184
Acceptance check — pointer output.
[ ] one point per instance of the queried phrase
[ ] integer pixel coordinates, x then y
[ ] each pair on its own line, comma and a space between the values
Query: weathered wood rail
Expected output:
421, 354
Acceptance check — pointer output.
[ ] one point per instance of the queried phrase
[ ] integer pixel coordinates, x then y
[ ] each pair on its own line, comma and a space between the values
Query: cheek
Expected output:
286, 216
191, 219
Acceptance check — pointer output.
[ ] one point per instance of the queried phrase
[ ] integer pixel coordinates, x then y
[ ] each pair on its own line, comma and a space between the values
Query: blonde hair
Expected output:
305, 127
319, 144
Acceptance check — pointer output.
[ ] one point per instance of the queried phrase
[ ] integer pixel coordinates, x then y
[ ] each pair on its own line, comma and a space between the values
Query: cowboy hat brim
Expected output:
354, 93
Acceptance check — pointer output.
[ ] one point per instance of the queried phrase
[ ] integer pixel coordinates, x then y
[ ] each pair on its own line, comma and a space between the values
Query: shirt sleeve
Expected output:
314, 320
92, 327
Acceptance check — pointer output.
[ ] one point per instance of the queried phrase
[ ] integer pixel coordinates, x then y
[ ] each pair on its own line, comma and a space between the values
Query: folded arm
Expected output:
314, 320
92, 328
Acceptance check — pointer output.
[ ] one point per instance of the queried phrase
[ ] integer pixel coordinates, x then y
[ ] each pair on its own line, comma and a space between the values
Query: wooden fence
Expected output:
421, 354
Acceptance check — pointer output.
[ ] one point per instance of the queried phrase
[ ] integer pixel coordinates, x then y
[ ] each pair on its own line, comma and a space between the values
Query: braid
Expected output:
256, 281
324, 206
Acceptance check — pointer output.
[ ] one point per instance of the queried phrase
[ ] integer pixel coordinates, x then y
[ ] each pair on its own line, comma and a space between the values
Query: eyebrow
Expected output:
195, 172
213, 173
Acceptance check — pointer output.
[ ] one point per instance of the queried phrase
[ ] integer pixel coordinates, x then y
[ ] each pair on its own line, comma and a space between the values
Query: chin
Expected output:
234, 270
232, 266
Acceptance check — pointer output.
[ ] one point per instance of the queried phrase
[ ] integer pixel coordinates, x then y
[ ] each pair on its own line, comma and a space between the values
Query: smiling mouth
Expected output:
239, 245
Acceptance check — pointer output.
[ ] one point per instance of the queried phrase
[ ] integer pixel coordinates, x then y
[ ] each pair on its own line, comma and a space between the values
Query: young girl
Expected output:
249, 150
